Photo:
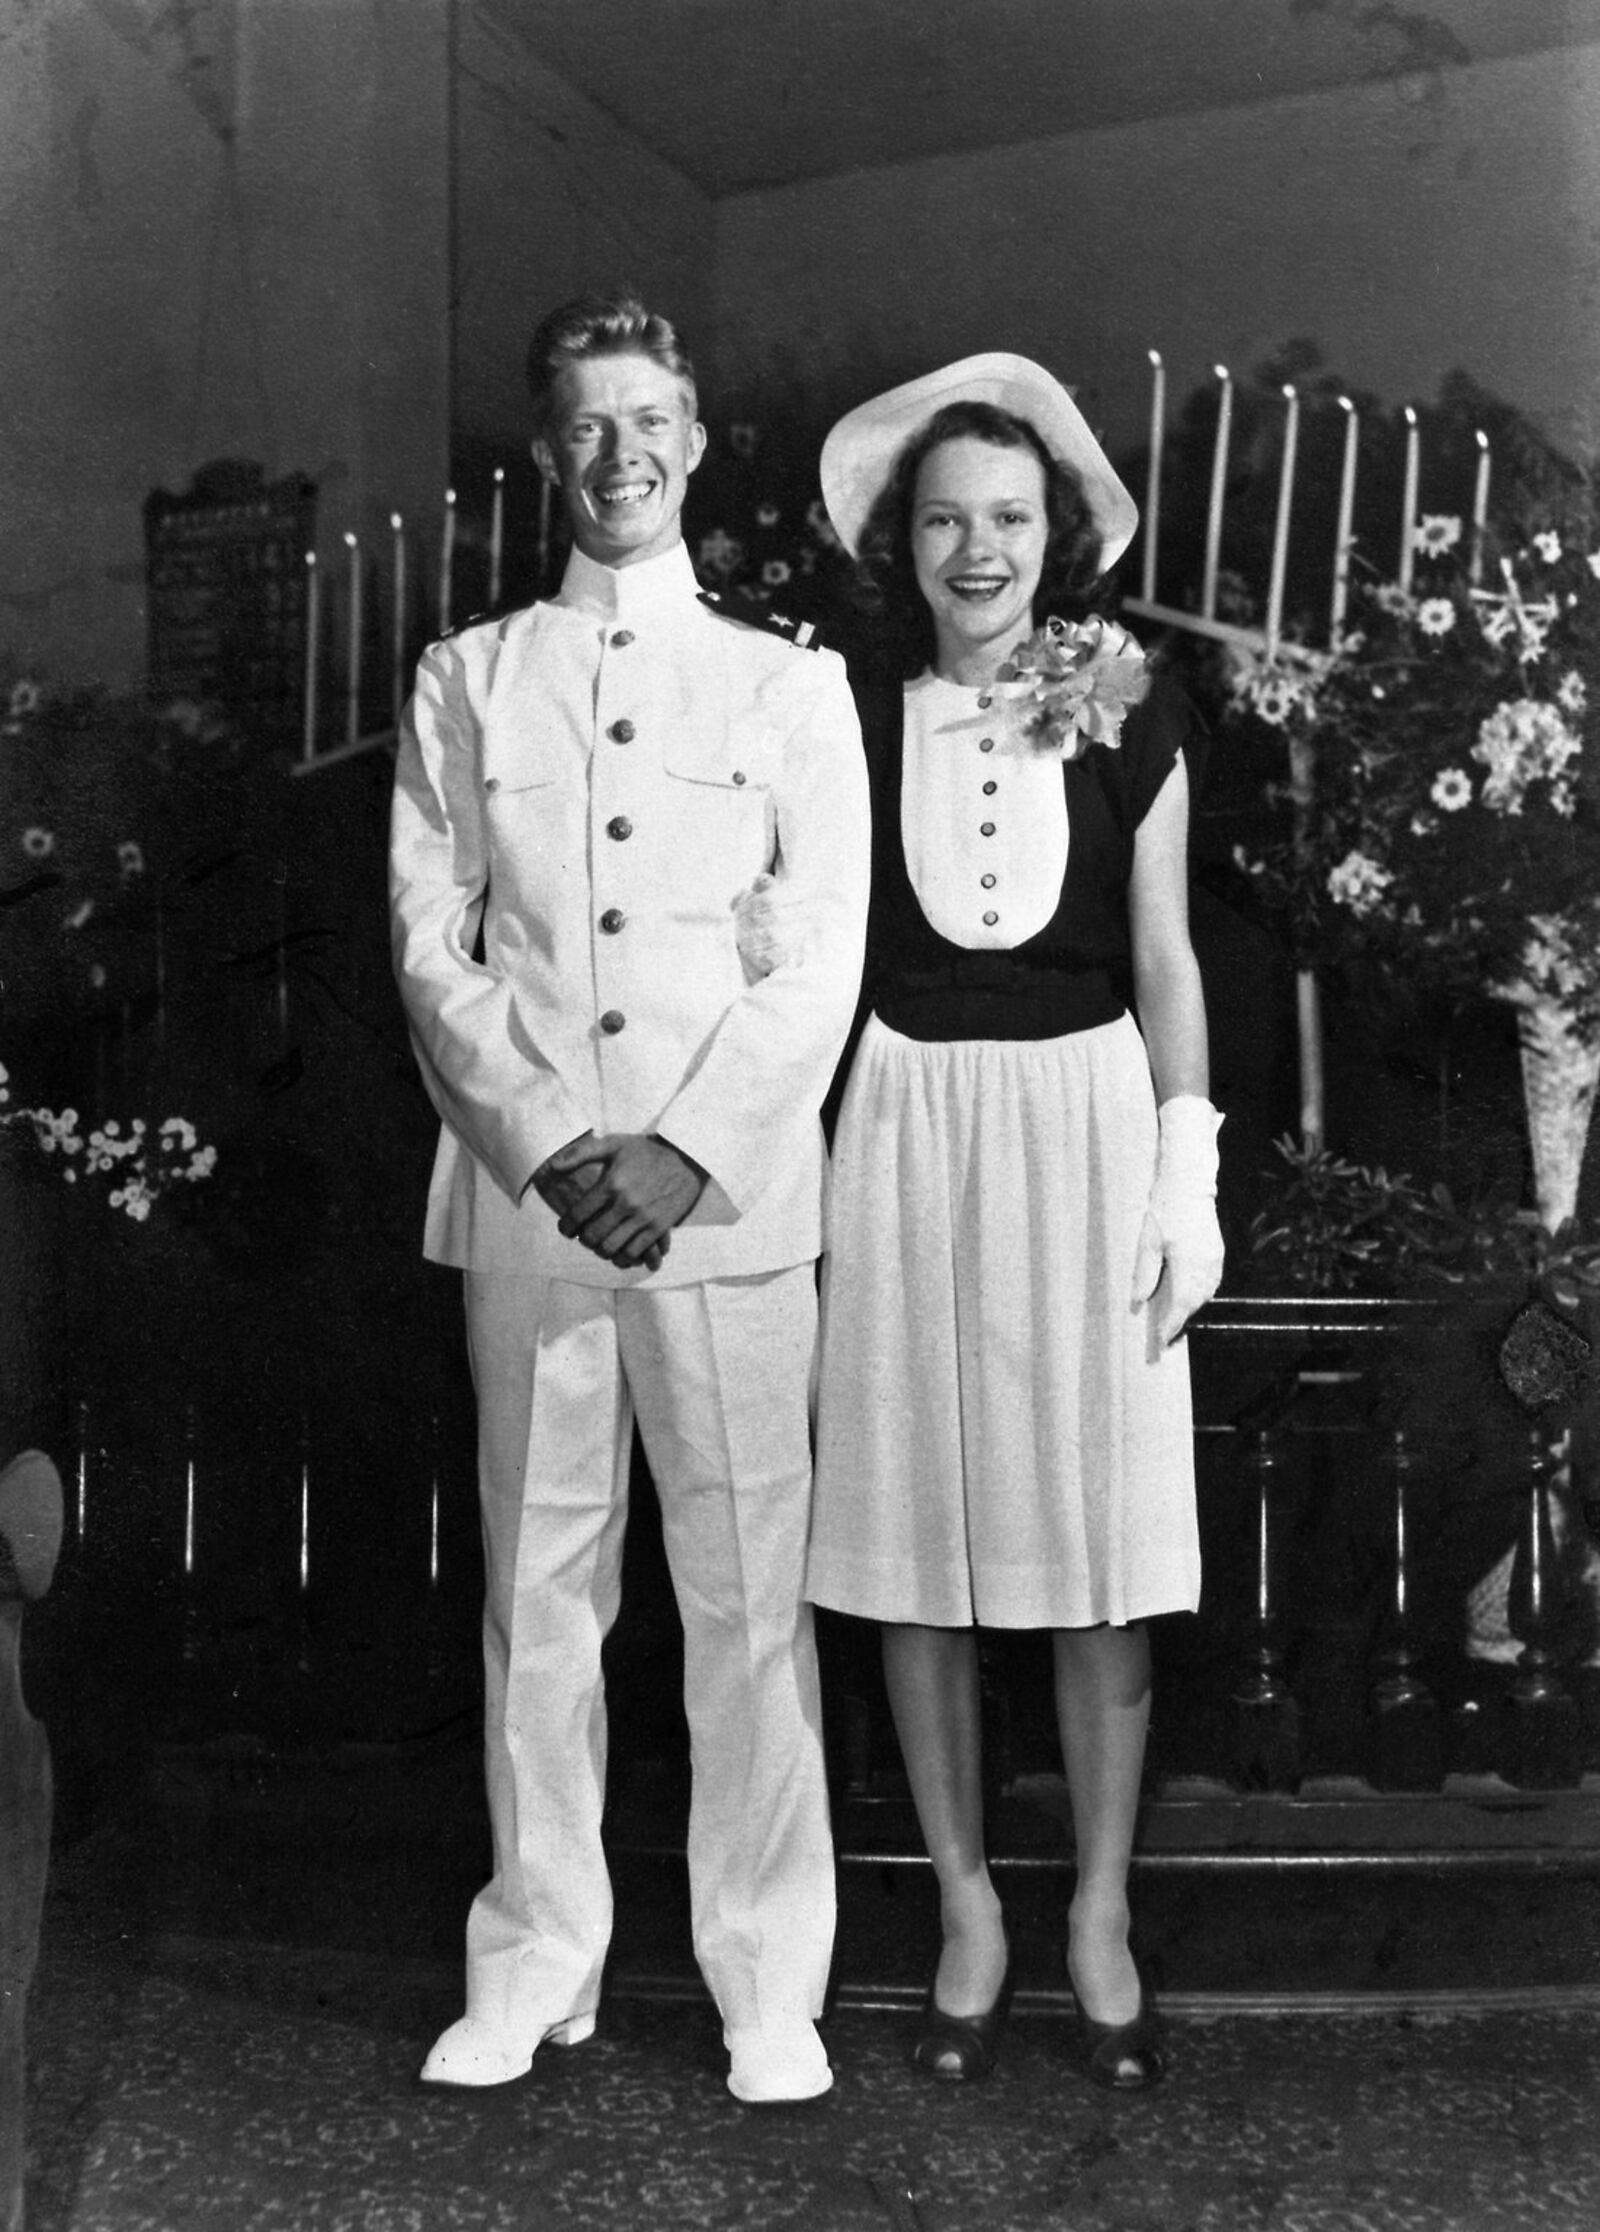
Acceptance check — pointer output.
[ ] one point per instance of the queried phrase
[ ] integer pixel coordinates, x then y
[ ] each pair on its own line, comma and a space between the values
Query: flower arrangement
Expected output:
1334, 1226
139, 1166
109, 795
1077, 680
769, 537
1447, 824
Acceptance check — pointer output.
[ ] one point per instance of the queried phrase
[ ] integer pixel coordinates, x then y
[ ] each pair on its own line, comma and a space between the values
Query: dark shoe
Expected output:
960, 2049
1124, 2057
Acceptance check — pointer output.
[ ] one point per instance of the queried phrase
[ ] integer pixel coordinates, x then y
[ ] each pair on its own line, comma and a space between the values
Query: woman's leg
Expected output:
1103, 1710
932, 1679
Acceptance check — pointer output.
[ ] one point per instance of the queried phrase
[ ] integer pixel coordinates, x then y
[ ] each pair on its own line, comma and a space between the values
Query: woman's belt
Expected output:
1001, 995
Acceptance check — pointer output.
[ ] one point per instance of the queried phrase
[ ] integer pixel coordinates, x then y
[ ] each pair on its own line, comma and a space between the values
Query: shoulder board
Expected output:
460, 627
491, 616
752, 613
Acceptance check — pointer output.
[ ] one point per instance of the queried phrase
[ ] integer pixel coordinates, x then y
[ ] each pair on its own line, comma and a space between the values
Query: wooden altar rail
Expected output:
282, 1598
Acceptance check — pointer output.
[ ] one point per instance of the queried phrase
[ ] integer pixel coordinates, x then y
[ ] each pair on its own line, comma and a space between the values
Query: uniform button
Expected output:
738, 775
987, 744
991, 918
989, 789
622, 732
986, 829
613, 919
612, 1022
492, 784
987, 882
621, 640
619, 827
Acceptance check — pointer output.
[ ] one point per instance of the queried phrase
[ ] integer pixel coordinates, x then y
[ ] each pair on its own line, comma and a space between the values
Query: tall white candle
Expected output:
160, 940
308, 739
1341, 539
1307, 997
1219, 475
305, 1510
283, 959
1152, 496
1408, 517
544, 531
1480, 506
397, 684
352, 710
447, 560
1280, 531
188, 1502
497, 529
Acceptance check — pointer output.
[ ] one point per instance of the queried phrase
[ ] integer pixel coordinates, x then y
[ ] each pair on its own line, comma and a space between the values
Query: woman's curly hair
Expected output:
885, 591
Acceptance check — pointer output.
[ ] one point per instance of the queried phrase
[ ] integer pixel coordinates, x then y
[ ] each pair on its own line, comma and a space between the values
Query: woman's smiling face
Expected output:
979, 529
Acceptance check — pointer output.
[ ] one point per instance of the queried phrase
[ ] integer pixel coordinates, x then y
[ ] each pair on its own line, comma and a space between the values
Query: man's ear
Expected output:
545, 459
697, 445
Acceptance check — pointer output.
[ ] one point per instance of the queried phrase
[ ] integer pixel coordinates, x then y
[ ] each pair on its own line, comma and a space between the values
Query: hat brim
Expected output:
860, 450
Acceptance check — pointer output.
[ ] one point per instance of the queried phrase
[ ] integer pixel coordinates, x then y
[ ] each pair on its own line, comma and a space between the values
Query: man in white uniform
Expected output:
630, 1174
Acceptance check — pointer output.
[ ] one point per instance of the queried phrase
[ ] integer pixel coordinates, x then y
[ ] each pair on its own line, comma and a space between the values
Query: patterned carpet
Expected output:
180, 2084
246, 1954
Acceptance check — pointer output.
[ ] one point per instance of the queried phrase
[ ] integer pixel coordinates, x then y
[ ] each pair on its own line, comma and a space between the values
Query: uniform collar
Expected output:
638, 592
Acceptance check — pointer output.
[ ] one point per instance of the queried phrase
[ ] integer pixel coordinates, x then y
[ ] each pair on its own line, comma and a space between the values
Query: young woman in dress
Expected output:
1023, 1211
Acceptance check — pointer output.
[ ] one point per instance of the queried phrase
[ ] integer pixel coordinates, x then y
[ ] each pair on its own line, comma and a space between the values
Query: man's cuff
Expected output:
713, 1206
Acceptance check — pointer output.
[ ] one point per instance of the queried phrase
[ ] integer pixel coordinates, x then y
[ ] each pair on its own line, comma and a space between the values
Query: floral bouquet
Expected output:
1450, 825
135, 1168
1077, 680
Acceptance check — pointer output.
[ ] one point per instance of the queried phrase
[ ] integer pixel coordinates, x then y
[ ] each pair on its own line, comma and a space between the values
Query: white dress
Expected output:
998, 1440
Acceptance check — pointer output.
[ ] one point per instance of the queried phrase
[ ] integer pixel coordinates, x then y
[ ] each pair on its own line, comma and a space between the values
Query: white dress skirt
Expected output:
998, 1440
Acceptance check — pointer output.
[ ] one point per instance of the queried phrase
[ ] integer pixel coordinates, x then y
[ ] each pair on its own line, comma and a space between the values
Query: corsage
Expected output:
1075, 680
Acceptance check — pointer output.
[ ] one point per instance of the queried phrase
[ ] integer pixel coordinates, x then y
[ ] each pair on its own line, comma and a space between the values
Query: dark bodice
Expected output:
1077, 971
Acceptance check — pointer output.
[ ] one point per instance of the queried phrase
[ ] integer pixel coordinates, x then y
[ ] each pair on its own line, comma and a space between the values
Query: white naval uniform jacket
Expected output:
582, 792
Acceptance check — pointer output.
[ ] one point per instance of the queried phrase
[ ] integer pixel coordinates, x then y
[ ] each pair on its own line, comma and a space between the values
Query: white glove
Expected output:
769, 925
1179, 1257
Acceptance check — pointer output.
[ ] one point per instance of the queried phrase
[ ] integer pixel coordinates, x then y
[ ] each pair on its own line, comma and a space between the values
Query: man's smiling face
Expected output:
621, 442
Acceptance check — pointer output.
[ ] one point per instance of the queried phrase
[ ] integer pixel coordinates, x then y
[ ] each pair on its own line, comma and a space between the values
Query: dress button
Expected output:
492, 783
986, 829
989, 789
612, 919
738, 775
621, 640
987, 882
991, 918
622, 732
612, 1022
619, 827
987, 745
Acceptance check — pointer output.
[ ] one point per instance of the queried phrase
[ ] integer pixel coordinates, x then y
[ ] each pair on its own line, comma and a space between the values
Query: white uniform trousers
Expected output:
718, 1375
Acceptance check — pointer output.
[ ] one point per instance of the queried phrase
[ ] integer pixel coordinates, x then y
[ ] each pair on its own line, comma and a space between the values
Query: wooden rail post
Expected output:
1543, 1749
1406, 1734
30, 1541
1264, 1717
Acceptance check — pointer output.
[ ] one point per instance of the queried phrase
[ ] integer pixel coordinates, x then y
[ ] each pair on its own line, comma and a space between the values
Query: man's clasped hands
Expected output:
620, 1193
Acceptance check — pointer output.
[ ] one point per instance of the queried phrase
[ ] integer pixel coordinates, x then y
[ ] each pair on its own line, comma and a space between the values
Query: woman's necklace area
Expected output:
982, 693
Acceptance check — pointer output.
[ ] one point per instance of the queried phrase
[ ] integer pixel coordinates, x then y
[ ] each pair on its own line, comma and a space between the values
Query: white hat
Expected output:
860, 451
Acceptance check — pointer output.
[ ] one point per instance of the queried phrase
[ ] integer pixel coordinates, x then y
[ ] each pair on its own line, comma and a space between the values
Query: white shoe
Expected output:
472, 2054
770, 2067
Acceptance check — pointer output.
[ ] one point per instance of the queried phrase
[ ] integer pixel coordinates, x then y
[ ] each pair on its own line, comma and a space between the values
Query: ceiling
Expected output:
738, 94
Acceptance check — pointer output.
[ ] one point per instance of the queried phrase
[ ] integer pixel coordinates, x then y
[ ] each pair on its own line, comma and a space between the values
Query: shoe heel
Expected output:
572, 2032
